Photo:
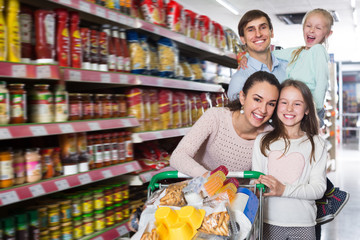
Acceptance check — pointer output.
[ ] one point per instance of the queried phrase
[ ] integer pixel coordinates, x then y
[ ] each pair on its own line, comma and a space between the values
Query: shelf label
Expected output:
122, 230
85, 178
62, 184
156, 30
106, 78
94, 126
74, 75
160, 82
113, 16
18, 70
38, 130
107, 173
123, 78
43, 72
126, 122
9, 197
122, 19
5, 133
146, 177
68, 2
85, 7
66, 128
37, 190
131, 22
100, 12
99, 238
129, 168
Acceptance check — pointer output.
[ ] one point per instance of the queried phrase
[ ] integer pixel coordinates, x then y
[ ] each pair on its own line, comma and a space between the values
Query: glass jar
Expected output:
129, 151
98, 106
61, 104
4, 104
41, 104
98, 151
77, 228
33, 165
106, 149
19, 167
121, 100
114, 148
75, 109
6, 169
118, 213
126, 209
115, 107
43, 218
99, 199
106, 105
55, 233
17, 103
65, 210
90, 150
108, 194
76, 204
109, 216
100, 222
88, 106
53, 214
87, 202
66, 231
125, 190
88, 223
44, 235
121, 147
117, 193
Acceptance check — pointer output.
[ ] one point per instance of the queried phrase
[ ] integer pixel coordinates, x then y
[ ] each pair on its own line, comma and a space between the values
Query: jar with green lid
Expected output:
66, 231
117, 193
125, 190
65, 211
76, 204
100, 222
118, 212
43, 218
87, 202
126, 209
8, 225
4, 104
53, 214
77, 228
99, 200
55, 233
33, 217
109, 216
44, 235
88, 223
108, 194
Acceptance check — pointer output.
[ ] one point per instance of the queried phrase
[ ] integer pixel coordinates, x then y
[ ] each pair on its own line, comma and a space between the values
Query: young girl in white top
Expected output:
293, 157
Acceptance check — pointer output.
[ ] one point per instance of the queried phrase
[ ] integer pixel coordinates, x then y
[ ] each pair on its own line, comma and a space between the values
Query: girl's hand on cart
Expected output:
276, 188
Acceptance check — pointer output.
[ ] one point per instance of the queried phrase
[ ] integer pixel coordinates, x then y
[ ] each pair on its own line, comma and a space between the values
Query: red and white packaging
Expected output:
174, 16
153, 12
189, 23
204, 27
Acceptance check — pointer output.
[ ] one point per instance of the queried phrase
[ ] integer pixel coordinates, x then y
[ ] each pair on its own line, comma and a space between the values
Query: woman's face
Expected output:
259, 103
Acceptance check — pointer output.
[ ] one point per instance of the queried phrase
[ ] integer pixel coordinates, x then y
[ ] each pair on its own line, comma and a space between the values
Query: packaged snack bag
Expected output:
165, 108
137, 59
167, 57
135, 106
174, 16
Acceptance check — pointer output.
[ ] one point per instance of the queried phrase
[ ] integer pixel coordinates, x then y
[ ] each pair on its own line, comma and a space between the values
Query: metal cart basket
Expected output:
257, 227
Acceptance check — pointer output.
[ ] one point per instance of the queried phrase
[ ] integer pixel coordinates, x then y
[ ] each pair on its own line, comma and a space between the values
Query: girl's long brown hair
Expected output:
309, 124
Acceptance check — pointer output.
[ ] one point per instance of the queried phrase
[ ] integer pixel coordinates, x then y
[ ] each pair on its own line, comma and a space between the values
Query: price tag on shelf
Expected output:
18, 70
43, 71
99, 238
129, 168
122, 230
113, 16
126, 122
85, 178
9, 197
5, 133
66, 128
68, 2
158, 135
160, 82
37, 190
62, 184
94, 126
100, 12
123, 78
106, 78
74, 75
107, 173
85, 7
156, 30
38, 130
146, 177
122, 19
131, 22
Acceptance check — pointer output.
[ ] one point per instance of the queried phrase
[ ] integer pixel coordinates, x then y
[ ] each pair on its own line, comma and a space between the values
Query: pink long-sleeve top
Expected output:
211, 142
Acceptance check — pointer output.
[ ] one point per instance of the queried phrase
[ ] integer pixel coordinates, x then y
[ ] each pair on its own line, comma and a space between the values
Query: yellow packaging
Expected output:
13, 33
3, 34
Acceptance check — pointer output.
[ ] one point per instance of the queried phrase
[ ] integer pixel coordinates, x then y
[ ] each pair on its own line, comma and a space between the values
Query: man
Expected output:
255, 30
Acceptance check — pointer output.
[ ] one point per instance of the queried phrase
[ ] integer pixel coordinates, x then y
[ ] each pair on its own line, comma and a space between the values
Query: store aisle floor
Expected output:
346, 226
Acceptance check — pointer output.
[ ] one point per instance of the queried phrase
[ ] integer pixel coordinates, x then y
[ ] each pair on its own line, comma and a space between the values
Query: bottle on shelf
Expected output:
13, 31
45, 36
62, 38
3, 33
125, 50
94, 48
75, 40
111, 59
26, 33
103, 50
6, 169
82, 152
118, 50
17, 103
85, 46
75, 106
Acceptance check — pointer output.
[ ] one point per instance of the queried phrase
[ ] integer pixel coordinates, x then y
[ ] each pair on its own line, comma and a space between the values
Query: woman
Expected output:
225, 135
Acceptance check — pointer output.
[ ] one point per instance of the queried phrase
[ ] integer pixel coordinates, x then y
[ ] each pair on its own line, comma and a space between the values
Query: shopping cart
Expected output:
257, 227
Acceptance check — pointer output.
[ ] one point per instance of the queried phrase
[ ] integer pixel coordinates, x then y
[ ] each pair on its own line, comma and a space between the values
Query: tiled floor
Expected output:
346, 226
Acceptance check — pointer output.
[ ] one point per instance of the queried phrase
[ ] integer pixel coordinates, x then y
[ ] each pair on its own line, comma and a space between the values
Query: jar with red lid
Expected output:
121, 147
128, 147
17, 103
98, 151
114, 148
75, 110
87, 106
106, 149
121, 101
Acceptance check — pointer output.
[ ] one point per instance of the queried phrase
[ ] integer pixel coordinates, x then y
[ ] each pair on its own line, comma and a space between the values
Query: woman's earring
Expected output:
242, 110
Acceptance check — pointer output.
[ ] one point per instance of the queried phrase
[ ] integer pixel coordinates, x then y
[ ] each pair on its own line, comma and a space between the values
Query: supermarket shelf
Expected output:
45, 129
153, 135
28, 191
141, 178
30, 71
112, 232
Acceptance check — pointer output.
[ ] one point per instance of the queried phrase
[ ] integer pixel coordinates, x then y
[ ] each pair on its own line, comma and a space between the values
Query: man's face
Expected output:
257, 36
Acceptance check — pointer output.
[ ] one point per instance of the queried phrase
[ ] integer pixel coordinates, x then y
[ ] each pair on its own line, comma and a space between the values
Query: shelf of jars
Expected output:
112, 232
31, 71
36, 189
190, 45
140, 137
144, 177
45, 129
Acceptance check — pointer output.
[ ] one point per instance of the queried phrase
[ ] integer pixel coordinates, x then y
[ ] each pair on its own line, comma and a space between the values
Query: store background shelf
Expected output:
30, 71
24, 192
161, 134
36, 129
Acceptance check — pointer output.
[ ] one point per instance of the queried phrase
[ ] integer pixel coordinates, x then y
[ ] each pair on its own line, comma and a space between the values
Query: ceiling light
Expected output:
226, 4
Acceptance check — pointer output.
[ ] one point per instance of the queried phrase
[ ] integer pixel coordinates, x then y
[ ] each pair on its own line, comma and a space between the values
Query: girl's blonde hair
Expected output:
330, 23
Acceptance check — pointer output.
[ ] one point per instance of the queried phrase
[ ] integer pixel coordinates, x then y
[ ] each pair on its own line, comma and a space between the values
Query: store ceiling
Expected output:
344, 42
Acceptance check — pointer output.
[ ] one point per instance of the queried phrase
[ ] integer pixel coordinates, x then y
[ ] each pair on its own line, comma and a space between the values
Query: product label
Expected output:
25, 27
127, 64
122, 154
54, 217
98, 148
49, 22
17, 105
19, 170
77, 232
88, 109
2, 42
75, 109
88, 228
112, 62
87, 206
114, 152
120, 63
6, 170
100, 224
117, 196
129, 149
33, 169
99, 203
4, 107
107, 152
76, 209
